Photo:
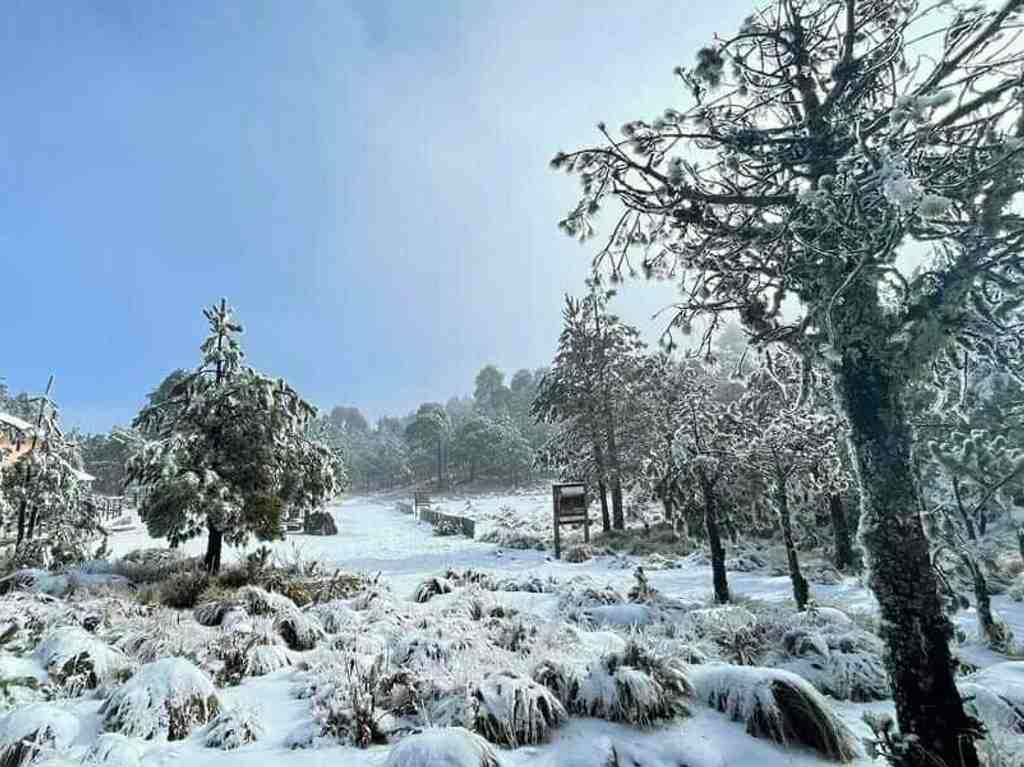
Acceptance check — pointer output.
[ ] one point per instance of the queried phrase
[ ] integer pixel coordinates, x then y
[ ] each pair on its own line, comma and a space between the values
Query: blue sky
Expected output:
366, 182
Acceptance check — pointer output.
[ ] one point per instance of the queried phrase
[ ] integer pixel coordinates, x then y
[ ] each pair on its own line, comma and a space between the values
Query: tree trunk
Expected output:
801, 591
618, 520
21, 521
606, 522
990, 630
718, 576
840, 533
214, 543
440, 469
914, 625
31, 532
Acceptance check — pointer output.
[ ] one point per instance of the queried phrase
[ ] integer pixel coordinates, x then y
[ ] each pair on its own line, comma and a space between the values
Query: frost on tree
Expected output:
816, 145
228, 451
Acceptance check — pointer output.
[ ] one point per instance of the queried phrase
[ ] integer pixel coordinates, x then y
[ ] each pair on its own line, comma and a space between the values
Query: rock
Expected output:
321, 523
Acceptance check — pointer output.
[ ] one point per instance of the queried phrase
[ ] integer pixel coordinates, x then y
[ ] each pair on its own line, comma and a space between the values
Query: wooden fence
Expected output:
405, 508
106, 506
465, 526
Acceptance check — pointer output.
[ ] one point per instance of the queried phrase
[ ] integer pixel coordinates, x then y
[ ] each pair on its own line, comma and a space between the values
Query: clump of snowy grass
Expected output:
170, 697
300, 631
430, 588
258, 601
233, 729
32, 732
776, 705
633, 687
443, 747
77, 661
513, 710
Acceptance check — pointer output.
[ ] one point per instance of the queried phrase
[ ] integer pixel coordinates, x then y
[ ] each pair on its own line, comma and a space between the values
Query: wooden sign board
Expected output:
569, 503
420, 500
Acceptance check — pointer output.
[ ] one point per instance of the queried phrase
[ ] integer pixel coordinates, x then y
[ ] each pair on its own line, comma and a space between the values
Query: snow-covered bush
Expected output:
633, 687
162, 634
776, 705
443, 747
513, 710
77, 661
150, 565
38, 730
258, 601
182, 590
112, 749
577, 554
233, 729
251, 648
430, 588
345, 707
300, 631
845, 663
335, 616
998, 695
170, 697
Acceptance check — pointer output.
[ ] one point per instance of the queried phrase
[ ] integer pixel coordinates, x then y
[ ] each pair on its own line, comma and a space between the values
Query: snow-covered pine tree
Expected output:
822, 139
431, 430
228, 450
589, 384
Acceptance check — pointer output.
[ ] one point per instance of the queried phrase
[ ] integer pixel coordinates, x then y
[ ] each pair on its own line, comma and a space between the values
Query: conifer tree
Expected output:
229, 450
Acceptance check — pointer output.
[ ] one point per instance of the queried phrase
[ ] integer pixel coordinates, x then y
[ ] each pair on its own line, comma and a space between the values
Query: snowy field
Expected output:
374, 537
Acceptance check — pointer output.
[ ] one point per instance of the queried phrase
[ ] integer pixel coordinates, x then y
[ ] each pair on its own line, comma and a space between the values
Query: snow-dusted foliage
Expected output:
112, 749
300, 631
170, 697
512, 710
233, 729
77, 661
632, 686
430, 588
443, 747
777, 705
258, 601
32, 732
160, 634
996, 695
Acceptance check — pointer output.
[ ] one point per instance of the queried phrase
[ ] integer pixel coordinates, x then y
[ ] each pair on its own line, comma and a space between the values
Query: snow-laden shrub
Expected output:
999, 691
430, 588
713, 620
443, 747
633, 687
150, 565
112, 749
577, 554
170, 697
776, 705
22, 681
250, 648
257, 601
995, 710
181, 591
300, 631
77, 661
846, 665
530, 585
513, 710
214, 605
164, 633
233, 729
617, 615
335, 616
345, 706
38, 730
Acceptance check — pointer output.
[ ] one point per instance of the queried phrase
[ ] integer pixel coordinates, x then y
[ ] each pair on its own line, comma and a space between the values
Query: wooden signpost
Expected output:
420, 501
569, 502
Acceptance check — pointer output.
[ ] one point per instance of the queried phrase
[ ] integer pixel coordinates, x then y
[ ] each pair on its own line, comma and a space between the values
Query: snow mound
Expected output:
512, 710
114, 750
257, 601
711, 620
39, 729
335, 616
78, 661
443, 747
619, 615
846, 665
620, 751
170, 697
998, 695
776, 705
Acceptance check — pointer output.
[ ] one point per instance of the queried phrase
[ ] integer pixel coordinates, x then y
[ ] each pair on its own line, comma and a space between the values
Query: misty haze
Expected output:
534, 384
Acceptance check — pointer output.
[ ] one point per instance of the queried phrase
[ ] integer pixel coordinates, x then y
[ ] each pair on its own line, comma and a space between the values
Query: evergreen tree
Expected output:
430, 431
229, 450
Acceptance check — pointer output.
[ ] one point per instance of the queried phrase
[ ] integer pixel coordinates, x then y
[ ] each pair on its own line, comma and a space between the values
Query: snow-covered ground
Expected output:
374, 537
